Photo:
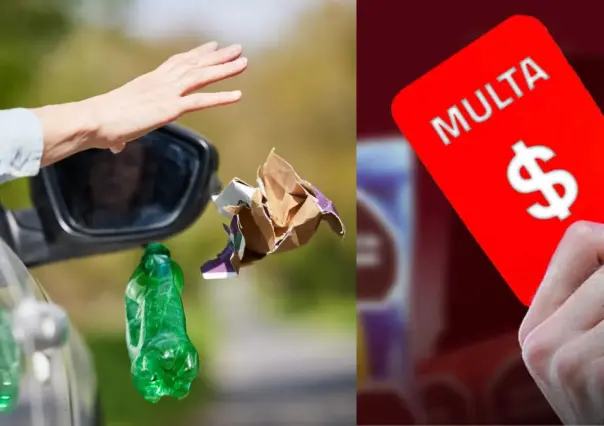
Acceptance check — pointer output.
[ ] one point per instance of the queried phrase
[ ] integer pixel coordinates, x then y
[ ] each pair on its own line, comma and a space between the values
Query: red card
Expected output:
515, 142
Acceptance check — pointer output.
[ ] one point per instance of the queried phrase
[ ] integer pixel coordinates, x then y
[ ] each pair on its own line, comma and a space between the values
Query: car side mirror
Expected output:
97, 202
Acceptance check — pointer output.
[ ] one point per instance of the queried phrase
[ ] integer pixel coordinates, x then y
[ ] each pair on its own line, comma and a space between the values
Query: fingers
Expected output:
569, 374
562, 335
582, 310
165, 94
205, 48
572, 361
198, 101
220, 56
203, 65
595, 378
205, 55
200, 77
556, 366
577, 257
575, 322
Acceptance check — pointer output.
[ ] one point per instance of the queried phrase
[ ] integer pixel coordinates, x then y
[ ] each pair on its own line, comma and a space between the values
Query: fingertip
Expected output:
210, 46
235, 48
117, 149
225, 98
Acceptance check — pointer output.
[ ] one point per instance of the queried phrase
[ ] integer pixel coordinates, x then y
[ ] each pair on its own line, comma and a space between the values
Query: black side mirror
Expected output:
98, 202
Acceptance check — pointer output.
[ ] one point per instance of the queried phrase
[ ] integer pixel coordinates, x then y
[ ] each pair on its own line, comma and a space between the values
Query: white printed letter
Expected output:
507, 76
498, 102
538, 72
456, 118
485, 104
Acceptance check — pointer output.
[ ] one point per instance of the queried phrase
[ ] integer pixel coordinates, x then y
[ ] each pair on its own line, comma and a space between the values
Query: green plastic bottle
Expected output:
163, 359
10, 365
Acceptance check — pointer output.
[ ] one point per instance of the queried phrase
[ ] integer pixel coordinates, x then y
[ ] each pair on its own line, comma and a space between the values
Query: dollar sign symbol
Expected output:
526, 157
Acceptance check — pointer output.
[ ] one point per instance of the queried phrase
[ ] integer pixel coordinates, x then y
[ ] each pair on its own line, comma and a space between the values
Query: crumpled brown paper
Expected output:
281, 214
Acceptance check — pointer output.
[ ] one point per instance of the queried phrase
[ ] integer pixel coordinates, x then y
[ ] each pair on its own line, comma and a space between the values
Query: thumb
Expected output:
116, 149
579, 254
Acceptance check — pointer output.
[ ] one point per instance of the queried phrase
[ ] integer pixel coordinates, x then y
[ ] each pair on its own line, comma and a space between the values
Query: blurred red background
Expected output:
463, 319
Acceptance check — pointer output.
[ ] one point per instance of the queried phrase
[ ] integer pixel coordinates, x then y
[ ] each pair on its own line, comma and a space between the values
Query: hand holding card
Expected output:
562, 335
513, 139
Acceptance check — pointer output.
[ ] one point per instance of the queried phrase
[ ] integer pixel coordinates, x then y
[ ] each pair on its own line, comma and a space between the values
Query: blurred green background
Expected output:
299, 97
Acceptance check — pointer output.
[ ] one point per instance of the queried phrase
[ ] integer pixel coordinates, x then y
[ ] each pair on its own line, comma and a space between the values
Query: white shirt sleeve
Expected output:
21, 144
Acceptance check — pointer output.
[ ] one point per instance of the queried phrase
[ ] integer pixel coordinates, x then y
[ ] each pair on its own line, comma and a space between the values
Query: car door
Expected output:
44, 396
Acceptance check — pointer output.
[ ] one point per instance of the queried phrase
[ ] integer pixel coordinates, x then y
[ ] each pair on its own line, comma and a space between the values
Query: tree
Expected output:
29, 29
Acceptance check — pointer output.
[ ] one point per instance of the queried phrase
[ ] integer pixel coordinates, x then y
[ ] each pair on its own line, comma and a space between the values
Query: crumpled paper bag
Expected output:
281, 214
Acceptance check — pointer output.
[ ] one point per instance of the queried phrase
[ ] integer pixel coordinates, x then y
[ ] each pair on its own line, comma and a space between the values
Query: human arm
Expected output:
42, 136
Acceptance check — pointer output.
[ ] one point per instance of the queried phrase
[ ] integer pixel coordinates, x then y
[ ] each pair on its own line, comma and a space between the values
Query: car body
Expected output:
58, 384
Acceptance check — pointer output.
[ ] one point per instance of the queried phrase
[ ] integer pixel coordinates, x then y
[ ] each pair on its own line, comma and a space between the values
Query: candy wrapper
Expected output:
281, 214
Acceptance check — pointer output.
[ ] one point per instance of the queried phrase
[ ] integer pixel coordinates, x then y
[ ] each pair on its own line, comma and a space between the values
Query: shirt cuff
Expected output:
21, 143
